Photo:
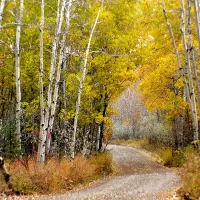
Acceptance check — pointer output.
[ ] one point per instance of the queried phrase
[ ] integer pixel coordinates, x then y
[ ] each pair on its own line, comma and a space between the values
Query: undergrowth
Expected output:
191, 178
59, 176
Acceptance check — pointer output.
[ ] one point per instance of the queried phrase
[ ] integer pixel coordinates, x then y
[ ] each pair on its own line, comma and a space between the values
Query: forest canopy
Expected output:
64, 63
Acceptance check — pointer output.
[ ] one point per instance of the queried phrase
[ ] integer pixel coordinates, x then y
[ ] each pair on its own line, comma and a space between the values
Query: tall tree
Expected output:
58, 76
197, 18
18, 84
41, 134
78, 104
191, 46
189, 72
59, 20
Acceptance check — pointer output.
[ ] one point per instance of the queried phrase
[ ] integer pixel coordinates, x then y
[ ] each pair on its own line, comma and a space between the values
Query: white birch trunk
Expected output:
2, 6
61, 60
82, 83
193, 56
98, 136
196, 9
59, 19
18, 84
189, 71
181, 68
40, 155
85, 143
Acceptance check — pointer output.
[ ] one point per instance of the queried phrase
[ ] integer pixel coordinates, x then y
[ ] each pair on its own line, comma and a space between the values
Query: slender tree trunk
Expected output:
190, 77
2, 6
67, 52
59, 20
40, 156
98, 136
102, 123
78, 104
193, 56
61, 62
18, 84
181, 68
175, 135
86, 143
196, 9
182, 120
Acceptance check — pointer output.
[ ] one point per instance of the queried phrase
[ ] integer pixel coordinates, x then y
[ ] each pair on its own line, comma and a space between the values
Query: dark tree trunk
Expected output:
102, 123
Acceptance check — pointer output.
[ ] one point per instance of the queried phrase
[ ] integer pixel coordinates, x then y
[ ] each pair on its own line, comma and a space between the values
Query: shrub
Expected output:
57, 176
103, 164
191, 178
166, 155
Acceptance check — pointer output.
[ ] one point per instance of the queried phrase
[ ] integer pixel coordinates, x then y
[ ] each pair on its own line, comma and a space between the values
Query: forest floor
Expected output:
139, 177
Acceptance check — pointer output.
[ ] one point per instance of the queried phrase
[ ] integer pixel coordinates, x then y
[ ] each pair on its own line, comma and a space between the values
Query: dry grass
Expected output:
57, 177
191, 178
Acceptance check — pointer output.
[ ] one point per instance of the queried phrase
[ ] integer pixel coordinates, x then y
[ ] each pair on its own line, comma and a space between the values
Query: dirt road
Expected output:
140, 178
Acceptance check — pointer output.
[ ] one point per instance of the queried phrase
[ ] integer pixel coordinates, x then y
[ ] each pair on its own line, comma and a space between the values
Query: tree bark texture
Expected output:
189, 72
18, 83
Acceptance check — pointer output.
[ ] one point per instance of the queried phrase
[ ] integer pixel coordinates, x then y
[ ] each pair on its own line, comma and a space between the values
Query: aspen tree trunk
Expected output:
98, 136
18, 84
61, 59
193, 53
182, 120
2, 6
189, 71
102, 123
82, 82
59, 19
196, 9
85, 143
181, 68
41, 134
67, 52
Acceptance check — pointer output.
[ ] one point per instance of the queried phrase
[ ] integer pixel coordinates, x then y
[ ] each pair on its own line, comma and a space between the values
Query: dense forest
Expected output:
76, 74
64, 63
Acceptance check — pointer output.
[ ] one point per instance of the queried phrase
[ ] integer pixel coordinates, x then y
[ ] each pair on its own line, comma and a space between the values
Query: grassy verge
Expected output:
161, 152
59, 177
186, 158
191, 178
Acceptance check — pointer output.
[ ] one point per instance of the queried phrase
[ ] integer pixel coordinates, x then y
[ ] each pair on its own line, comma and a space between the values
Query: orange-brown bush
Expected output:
103, 164
191, 178
57, 176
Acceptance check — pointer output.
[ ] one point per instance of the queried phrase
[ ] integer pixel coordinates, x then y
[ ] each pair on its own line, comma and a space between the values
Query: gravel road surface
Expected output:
139, 178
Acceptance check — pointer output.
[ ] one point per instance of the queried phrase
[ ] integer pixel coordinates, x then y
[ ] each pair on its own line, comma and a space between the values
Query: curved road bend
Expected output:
139, 178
